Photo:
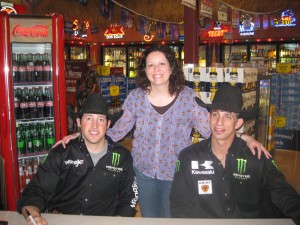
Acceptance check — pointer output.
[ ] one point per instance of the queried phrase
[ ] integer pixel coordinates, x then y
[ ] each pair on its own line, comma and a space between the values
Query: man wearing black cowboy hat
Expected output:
220, 178
92, 176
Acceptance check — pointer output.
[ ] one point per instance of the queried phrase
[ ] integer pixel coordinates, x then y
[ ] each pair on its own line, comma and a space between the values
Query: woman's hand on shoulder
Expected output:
66, 140
255, 145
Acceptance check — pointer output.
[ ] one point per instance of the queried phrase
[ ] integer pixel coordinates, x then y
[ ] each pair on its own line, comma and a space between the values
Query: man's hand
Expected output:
35, 213
66, 140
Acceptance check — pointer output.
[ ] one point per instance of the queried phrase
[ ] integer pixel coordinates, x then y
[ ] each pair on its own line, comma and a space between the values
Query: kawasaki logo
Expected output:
242, 163
115, 159
177, 165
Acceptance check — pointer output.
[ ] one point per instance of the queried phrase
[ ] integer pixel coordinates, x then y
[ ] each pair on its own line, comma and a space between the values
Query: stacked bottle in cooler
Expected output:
290, 53
34, 116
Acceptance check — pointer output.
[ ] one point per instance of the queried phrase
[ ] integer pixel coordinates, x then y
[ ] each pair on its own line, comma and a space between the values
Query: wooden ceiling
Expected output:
164, 10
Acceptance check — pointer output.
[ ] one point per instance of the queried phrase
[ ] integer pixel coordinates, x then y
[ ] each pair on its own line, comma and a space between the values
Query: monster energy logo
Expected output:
115, 159
177, 165
273, 161
242, 163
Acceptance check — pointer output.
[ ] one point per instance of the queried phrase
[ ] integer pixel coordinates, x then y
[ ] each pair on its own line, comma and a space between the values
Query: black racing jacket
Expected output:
68, 182
248, 187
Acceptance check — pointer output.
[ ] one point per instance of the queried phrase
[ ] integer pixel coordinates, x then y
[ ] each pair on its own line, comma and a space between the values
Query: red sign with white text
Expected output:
31, 30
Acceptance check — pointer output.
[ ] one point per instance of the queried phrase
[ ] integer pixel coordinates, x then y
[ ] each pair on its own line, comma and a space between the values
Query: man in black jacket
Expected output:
92, 176
220, 178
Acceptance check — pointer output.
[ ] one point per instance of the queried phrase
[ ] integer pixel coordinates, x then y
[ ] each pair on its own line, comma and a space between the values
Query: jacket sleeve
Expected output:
181, 199
128, 191
42, 185
283, 195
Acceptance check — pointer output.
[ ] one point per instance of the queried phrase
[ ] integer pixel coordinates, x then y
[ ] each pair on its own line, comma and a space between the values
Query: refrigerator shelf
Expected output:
32, 155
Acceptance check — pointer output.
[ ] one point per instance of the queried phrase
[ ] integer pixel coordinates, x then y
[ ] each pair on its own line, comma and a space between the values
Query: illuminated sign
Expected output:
216, 33
287, 19
34, 31
114, 32
80, 30
8, 9
246, 25
148, 38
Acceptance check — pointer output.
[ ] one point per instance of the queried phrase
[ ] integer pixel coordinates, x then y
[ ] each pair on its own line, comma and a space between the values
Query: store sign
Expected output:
217, 31
28, 30
34, 31
287, 19
79, 30
283, 68
114, 32
246, 25
148, 38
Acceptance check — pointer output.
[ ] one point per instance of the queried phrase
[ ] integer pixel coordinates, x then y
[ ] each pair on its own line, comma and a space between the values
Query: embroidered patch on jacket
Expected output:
204, 187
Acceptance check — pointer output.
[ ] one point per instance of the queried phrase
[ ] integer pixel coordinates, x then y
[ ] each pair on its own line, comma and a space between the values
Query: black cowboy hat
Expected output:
229, 98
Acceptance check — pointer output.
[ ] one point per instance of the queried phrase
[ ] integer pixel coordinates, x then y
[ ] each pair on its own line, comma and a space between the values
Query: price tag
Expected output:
283, 67
114, 90
280, 121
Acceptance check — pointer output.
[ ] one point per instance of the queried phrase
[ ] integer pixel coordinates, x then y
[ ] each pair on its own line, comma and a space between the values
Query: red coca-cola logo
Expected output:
35, 31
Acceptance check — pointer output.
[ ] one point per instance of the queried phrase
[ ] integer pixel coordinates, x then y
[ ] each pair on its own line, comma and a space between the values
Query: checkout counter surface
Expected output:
14, 218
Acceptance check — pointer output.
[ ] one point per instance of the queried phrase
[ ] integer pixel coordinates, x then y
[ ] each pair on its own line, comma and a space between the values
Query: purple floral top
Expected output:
158, 139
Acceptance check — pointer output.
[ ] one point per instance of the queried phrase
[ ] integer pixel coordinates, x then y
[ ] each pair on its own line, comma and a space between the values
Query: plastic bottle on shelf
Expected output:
22, 179
24, 105
50, 136
30, 68
46, 68
35, 138
42, 132
22, 68
48, 110
17, 104
38, 67
20, 139
32, 104
40, 103
28, 139
15, 69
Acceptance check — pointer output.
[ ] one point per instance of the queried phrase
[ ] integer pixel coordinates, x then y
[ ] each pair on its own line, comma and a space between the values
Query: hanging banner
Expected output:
126, 19
106, 8
144, 25
265, 22
174, 31
246, 26
204, 23
160, 30
168, 30
189, 3
272, 21
206, 8
257, 22
222, 12
235, 18
287, 19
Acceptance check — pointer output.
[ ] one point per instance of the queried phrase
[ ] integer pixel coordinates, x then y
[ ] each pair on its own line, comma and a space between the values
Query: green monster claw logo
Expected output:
115, 159
177, 165
273, 161
242, 163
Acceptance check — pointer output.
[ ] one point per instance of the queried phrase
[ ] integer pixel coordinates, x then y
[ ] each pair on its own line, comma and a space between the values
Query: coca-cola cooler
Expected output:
33, 104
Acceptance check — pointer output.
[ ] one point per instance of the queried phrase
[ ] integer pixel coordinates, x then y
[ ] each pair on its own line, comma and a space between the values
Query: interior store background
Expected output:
196, 44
